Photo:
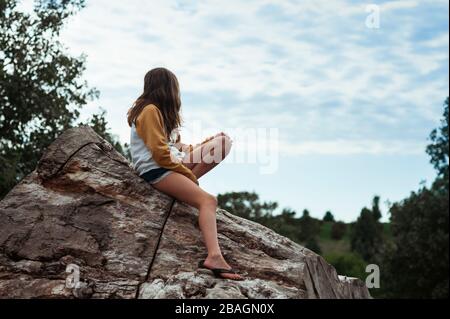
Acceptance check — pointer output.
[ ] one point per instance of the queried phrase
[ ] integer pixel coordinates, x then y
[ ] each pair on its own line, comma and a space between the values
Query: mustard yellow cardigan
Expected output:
150, 128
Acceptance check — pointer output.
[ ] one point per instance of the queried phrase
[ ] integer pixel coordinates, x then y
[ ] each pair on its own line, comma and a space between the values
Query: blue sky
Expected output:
353, 105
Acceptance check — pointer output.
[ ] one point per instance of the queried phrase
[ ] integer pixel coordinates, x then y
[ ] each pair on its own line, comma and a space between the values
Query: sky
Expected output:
346, 93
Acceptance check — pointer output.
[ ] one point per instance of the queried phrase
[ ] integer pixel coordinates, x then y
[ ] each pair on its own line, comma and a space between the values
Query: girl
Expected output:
173, 167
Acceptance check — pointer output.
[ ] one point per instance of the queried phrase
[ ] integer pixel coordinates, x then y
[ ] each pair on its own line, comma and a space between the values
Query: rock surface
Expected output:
84, 209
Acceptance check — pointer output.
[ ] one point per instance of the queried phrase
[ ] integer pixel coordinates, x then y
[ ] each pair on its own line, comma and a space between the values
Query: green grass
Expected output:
332, 246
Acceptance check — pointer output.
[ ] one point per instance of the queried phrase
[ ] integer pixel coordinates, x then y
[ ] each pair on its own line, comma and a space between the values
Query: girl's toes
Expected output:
233, 276
238, 277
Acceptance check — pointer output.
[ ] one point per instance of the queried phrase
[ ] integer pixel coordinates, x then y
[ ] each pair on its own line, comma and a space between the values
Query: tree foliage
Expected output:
41, 85
100, 126
246, 205
352, 265
309, 227
416, 265
366, 237
328, 217
41, 89
376, 211
438, 149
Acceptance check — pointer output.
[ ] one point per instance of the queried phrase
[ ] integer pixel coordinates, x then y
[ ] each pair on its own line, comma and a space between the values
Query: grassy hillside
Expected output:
329, 245
338, 252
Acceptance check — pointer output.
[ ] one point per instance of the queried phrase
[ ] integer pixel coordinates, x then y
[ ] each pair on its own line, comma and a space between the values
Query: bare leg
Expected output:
208, 155
183, 189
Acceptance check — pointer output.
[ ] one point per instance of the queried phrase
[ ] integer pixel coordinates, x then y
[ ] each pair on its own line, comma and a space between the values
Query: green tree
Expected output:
247, 205
41, 86
328, 217
309, 227
416, 265
438, 150
376, 211
309, 231
366, 237
285, 224
100, 126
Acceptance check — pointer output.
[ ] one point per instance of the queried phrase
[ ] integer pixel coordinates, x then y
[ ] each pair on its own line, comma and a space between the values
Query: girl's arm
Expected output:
183, 147
149, 126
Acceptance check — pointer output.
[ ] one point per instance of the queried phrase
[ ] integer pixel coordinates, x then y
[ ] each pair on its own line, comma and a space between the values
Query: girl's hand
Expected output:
213, 137
175, 159
224, 134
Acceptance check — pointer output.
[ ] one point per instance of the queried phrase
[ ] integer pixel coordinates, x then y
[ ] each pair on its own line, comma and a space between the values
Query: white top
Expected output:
141, 155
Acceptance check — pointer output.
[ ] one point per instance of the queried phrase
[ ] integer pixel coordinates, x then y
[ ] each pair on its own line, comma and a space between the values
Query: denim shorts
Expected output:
156, 175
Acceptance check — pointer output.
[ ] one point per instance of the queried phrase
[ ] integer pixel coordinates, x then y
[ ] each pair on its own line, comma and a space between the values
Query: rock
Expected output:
84, 225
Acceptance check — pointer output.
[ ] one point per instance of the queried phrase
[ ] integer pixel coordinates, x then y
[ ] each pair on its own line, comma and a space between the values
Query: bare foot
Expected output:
219, 262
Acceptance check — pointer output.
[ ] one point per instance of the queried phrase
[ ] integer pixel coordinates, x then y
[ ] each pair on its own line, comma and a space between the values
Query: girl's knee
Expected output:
223, 145
226, 141
223, 137
209, 200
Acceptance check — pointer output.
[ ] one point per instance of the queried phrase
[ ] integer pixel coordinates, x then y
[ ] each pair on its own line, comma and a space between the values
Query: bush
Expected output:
417, 264
313, 245
338, 230
366, 236
350, 265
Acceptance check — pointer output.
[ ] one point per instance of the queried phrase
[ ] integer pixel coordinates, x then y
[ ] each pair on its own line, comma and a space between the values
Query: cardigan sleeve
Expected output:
149, 126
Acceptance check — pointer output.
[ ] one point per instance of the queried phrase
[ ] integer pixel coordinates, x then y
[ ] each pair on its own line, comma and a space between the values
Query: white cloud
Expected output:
347, 81
400, 4
353, 96
439, 41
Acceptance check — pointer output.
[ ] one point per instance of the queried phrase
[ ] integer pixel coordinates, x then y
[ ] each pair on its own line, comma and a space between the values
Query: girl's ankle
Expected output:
215, 256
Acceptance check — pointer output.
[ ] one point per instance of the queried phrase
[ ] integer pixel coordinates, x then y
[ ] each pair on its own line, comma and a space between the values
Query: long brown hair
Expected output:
161, 88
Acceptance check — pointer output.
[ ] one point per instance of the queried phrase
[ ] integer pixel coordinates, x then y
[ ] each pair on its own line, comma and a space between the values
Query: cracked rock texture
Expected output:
84, 208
